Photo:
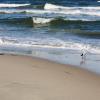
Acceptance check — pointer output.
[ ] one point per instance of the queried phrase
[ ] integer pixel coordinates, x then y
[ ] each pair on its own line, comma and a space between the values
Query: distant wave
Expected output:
49, 6
59, 20
73, 10
32, 20
52, 7
4, 5
48, 14
51, 12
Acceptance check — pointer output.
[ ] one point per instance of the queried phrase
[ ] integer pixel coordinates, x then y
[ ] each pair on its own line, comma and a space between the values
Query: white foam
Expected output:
37, 20
50, 42
73, 10
10, 11
54, 11
2, 5
57, 7
52, 7
98, 1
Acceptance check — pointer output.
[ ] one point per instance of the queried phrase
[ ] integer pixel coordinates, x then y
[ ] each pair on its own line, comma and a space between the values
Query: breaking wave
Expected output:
31, 21
50, 12
5, 5
50, 43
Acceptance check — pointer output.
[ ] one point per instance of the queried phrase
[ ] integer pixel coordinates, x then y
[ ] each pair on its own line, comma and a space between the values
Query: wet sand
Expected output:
27, 78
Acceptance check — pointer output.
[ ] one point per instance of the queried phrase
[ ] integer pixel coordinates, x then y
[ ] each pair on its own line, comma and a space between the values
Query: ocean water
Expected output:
59, 30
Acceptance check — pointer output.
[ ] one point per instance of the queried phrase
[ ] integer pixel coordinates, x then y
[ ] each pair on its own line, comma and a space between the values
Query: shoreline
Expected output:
67, 56
49, 60
28, 78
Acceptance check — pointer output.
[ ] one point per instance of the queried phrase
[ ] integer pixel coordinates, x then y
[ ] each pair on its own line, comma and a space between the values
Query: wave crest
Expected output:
50, 12
3, 5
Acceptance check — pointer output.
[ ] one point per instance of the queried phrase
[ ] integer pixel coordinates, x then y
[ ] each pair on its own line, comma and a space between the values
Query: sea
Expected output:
57, 30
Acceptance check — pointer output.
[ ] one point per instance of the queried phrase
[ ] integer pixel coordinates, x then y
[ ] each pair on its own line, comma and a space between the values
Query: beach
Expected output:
30, 78
57, 30
49, 50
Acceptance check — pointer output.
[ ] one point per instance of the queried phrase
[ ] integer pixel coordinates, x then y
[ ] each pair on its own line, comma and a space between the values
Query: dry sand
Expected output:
27, 78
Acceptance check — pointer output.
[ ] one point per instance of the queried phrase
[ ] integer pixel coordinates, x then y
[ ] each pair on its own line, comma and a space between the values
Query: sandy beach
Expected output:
27, 78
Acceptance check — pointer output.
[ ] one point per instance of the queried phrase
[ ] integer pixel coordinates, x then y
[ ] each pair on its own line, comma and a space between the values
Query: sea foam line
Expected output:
2, 5
52, 11
49, 6
47, 43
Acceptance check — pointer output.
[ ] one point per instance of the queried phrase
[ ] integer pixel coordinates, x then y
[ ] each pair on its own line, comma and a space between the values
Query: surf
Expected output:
69, 13
52, 12
4, 5
52, 7
49, 6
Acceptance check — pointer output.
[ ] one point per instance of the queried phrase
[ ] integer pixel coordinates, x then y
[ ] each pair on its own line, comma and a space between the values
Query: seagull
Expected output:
84, 52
